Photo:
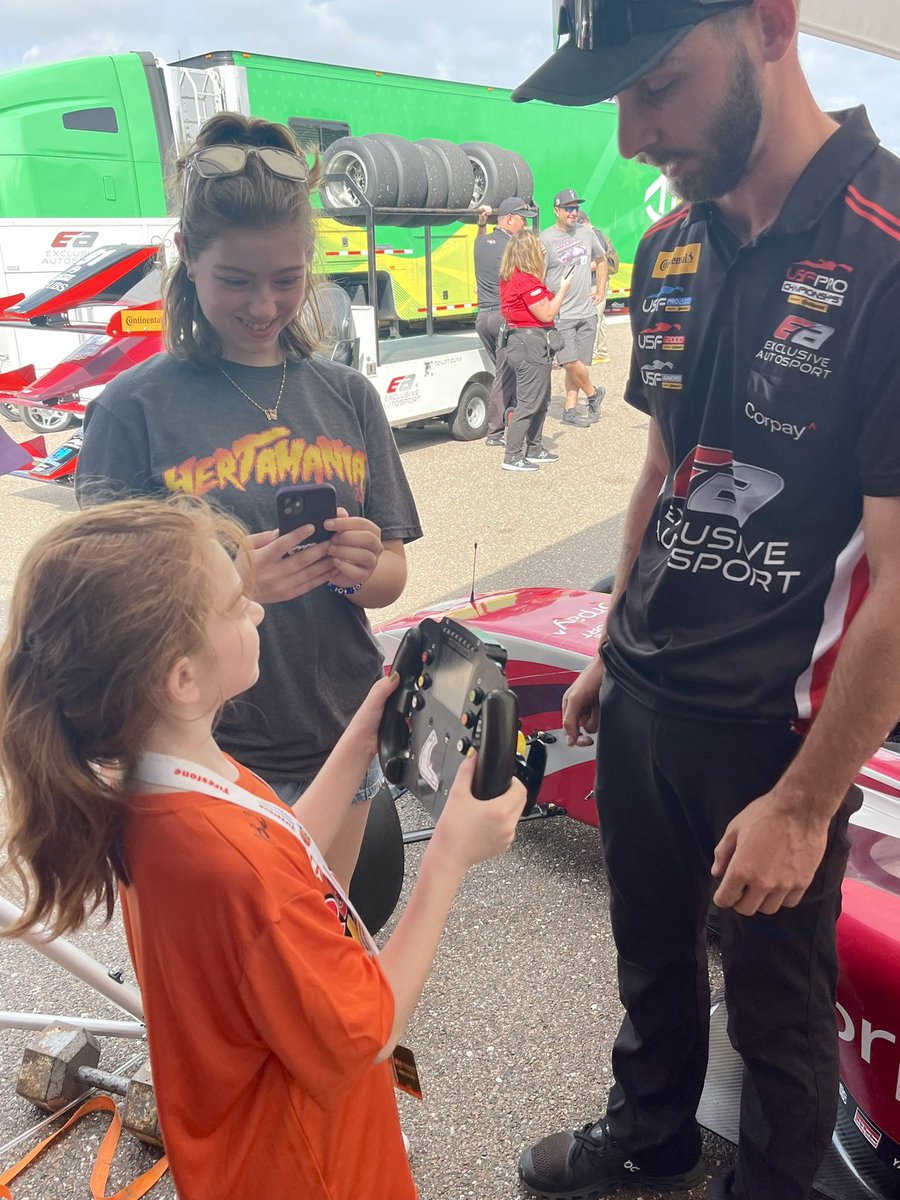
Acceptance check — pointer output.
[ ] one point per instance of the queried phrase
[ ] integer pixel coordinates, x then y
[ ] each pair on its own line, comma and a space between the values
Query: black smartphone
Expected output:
569, 270
306, 504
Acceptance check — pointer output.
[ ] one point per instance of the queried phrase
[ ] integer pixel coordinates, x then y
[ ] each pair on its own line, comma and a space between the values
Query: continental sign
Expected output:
683, 260
142, 320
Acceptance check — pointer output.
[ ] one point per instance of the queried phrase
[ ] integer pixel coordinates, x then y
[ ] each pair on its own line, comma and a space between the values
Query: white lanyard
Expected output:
166, 771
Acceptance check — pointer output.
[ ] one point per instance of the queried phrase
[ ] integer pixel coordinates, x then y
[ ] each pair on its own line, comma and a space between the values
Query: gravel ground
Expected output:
512, 1036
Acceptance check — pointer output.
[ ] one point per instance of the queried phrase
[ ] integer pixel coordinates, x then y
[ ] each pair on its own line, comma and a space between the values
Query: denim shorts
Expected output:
291, 790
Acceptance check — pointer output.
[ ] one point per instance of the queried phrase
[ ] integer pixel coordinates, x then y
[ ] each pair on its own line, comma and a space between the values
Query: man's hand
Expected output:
767, 857
581, 705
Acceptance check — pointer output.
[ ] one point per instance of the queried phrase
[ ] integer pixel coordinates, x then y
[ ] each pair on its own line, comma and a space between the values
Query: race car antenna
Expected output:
474, 558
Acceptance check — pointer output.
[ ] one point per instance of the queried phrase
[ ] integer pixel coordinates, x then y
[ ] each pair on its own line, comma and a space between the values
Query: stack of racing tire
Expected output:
392, 172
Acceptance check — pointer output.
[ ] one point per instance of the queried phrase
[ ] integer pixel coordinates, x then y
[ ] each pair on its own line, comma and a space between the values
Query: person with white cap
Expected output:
751, 660
512, 216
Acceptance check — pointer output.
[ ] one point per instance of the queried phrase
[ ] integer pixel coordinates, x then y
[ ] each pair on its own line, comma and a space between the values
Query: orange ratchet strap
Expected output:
139, 1187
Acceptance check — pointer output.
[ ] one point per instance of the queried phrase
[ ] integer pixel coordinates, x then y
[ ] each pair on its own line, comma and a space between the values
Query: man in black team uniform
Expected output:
512, 216
752, 660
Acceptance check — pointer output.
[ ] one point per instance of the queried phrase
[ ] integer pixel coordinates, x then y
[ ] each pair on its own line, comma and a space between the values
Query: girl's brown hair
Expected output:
104, 605
210, 208
523, 250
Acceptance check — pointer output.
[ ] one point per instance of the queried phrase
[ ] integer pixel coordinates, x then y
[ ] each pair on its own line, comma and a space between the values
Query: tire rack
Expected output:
425, 216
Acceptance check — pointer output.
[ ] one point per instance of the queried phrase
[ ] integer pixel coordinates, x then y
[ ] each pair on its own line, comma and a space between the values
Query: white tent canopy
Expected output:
867, 24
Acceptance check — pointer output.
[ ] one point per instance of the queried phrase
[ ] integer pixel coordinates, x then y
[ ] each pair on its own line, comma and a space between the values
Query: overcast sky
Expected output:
497, 43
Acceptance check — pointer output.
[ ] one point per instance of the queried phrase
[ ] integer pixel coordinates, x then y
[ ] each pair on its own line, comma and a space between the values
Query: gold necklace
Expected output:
271, 414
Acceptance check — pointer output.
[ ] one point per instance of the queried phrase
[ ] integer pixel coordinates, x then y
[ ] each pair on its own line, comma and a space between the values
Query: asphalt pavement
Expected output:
513, 1033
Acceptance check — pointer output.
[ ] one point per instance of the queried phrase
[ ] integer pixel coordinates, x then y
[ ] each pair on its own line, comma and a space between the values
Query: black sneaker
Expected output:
520, 464
542, 458
572, 416
588, 1163
593, 404
495, 441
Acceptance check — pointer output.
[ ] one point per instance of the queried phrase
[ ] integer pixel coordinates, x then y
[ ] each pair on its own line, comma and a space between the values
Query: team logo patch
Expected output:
683, 260
665, 337
702, 527
662, 375
795, 346
818, 284
670, 298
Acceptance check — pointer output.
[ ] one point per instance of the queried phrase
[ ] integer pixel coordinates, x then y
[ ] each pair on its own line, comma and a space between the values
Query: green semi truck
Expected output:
89, 139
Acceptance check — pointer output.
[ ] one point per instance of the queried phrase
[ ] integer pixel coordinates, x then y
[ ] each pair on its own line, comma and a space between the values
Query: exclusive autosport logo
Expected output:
402, 389
794, 345
68, 245
819, 284
701, 526
665, 337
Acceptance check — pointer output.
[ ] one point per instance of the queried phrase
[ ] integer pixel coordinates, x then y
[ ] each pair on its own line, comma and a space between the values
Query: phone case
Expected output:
306, 504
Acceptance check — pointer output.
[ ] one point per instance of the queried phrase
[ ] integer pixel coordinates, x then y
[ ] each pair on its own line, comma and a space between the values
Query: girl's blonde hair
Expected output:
523, 250
103, 607
211, 208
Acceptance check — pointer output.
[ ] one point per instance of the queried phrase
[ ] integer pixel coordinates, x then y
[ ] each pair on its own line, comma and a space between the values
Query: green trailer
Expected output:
89, 139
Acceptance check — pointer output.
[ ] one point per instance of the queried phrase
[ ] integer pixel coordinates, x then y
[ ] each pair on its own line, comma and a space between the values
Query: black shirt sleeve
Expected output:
878, 445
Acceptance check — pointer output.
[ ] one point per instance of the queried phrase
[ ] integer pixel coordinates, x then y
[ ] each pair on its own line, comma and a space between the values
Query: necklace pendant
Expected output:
271, 413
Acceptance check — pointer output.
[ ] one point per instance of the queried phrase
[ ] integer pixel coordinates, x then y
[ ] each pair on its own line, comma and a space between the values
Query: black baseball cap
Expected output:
612, 43
514, 206
567, 196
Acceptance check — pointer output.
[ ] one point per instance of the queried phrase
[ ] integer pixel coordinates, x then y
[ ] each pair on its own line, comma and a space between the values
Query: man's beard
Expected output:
730, 139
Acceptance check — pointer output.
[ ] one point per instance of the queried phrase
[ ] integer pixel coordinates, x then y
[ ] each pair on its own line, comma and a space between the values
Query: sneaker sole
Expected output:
667, 1183
542, 462
521, 470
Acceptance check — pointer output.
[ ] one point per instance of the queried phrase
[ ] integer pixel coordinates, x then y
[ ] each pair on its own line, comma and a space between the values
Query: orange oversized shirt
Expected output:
263, 1018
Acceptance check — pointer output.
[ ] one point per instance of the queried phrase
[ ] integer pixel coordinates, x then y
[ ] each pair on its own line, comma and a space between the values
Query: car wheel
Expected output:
495, 175
46, 420
370, 166
458, 169
12, 412
469, 422
438, 180
412, 187
524, 177
605, 583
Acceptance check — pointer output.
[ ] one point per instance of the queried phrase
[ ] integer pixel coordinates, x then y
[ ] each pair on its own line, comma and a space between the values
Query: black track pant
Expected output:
503, 389
529, 355
667, 789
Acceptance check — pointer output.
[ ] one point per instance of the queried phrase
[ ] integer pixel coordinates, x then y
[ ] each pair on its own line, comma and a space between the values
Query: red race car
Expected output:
550, 635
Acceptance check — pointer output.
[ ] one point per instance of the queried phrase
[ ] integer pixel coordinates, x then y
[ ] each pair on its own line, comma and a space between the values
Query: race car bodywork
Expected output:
117, 288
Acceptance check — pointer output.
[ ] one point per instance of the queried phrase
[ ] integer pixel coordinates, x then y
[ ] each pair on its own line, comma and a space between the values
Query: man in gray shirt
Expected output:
572, 247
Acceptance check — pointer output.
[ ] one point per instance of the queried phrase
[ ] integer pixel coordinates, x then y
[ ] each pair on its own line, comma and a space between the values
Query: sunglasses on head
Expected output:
592, 24
218, 162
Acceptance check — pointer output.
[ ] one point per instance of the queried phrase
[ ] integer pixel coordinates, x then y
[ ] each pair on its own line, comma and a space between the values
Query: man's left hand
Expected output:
767, 857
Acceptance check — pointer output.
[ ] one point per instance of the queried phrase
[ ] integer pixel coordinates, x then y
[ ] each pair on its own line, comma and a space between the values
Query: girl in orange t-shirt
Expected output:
528, 307
271, 1021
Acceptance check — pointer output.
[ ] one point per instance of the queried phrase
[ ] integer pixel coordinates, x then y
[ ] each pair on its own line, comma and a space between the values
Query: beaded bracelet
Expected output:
340, 591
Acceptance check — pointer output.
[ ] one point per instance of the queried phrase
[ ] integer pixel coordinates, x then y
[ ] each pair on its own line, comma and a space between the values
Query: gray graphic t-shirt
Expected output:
581, 246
